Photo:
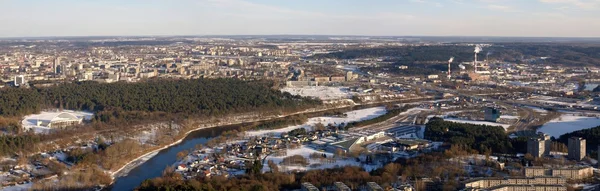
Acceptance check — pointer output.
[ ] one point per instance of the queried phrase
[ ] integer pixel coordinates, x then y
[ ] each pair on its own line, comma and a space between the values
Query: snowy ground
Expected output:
147, 136
509, 117
356, 115
505, 126
552, 100
305, 151
568, 123
537, 109
30, 121
322, 92
22, 187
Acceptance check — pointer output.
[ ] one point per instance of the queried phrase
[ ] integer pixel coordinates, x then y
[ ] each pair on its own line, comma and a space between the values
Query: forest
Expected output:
591, 136
15, 144
406, 54
121, 105
205, 97
425, 60
557, 53
482, 138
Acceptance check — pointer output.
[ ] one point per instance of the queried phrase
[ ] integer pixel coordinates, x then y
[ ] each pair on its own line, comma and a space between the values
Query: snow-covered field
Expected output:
321, 92
568, 123
505, 126
305, 151
30, 121
356, 115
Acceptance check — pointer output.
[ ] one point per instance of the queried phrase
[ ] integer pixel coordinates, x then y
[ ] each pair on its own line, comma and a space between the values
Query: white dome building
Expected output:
58, 120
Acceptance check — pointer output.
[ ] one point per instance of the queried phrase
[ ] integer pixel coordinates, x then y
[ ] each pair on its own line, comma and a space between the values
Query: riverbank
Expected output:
147, 155
132, 164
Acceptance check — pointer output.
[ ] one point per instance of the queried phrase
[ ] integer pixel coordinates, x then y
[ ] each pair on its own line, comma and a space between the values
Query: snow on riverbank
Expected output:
505, 126
356, 115
321, 92
567, 123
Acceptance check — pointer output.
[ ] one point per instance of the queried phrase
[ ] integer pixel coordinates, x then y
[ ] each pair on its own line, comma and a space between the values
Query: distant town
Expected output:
298, 113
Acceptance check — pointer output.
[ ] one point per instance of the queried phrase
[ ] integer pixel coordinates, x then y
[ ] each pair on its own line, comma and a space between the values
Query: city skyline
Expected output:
531, 18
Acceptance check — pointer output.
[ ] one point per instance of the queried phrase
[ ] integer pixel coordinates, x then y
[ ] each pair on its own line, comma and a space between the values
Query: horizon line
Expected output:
320, 35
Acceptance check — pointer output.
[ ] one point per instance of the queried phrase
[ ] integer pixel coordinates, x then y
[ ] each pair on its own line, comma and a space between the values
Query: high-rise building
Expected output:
576, 148
349, 76
56, 64
539, 146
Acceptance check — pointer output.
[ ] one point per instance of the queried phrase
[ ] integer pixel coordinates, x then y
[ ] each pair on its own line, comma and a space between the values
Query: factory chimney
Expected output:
450, 62
477, 50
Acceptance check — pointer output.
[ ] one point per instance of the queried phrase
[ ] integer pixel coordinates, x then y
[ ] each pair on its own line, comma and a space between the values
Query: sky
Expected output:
529, 18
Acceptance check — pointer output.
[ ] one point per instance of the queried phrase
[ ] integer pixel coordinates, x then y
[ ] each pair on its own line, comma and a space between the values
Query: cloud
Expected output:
501, 8
582, 4
247, 9
437, 4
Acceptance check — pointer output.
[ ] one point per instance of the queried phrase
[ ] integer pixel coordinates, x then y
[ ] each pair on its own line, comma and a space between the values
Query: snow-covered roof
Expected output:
52, 117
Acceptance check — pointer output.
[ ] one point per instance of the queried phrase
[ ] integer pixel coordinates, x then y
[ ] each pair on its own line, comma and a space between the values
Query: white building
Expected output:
433, 76
19, 80
58, 120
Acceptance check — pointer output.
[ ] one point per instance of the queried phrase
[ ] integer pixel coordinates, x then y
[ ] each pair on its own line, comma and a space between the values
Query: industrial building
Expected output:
403, 130
346, 141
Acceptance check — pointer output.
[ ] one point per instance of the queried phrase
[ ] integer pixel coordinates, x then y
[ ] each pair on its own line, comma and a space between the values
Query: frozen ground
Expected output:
321, 92
505, 126
356, 115
21, 187
305, 151
30, 121
567, 123
537, 109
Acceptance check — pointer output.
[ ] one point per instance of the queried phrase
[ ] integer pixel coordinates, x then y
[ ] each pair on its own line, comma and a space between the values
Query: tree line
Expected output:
557, 53
17, 144
195, 96
591, 136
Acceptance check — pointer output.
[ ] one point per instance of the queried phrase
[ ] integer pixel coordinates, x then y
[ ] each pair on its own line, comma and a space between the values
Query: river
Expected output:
154, 167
